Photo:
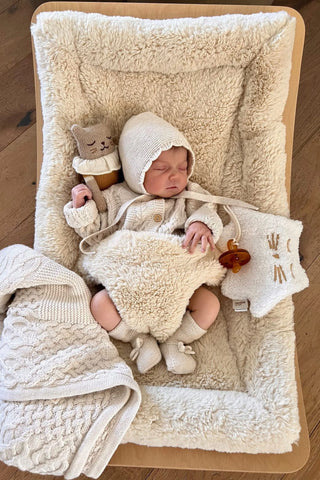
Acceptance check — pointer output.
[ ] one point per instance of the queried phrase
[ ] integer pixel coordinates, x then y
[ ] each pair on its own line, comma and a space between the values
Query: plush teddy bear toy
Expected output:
98, 161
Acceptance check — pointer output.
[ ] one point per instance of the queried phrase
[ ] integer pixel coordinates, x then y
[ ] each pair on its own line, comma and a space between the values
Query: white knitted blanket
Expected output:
66, 397
223, 82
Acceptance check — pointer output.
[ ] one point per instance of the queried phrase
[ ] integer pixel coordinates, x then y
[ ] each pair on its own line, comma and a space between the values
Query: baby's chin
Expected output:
168, 192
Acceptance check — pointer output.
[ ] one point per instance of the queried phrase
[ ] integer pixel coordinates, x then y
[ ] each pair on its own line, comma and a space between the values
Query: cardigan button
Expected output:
157, 217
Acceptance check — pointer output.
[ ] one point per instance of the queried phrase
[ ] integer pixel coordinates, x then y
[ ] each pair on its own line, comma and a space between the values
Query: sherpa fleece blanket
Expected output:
150, 277
223, 81
66, 397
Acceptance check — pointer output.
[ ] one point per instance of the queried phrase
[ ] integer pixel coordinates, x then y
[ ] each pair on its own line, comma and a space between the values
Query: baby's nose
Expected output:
173, 173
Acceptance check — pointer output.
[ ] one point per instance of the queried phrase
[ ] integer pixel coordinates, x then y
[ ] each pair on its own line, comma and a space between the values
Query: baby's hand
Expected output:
198, 232
80, 194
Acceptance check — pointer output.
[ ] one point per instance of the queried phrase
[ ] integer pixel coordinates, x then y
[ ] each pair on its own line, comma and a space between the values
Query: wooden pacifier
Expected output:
235, 257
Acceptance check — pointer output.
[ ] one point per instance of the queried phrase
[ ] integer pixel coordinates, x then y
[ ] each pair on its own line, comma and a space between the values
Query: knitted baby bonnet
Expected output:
142, 140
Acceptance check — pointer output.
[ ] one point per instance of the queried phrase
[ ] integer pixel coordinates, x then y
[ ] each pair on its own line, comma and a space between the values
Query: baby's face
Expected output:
168, 175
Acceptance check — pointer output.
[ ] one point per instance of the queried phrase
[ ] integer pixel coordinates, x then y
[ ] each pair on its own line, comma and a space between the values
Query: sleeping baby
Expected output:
157, 163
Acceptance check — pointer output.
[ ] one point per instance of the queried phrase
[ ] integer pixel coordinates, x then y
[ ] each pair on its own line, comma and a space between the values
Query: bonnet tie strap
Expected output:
214, 199
226, 202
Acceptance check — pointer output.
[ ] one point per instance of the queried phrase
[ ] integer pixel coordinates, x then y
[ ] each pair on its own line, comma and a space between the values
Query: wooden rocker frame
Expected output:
133, 455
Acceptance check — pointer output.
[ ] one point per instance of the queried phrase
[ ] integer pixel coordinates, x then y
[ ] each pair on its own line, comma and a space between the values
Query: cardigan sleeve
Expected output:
85, 220
206, 213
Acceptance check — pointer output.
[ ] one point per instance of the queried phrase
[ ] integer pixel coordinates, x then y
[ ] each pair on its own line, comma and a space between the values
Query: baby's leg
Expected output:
145, 348
202, 311
104, 310
204, 307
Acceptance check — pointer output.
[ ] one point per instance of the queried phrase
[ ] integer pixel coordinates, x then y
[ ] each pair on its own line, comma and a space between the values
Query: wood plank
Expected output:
15, 33
307, 307
308, 107
306, 207
5, 4
18, 182
110, 473
22, 233
312, 468
158, 10
124, 473
216, 2
12, 473
296, 4
17, 101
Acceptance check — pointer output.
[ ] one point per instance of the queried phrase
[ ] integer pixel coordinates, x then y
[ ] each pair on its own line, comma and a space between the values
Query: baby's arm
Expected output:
202, 220
82, 213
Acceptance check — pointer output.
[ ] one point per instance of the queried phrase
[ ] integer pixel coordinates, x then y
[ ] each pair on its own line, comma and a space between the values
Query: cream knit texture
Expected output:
177, 352
142, 140
151, 214
99, 166
66, 397
223, 82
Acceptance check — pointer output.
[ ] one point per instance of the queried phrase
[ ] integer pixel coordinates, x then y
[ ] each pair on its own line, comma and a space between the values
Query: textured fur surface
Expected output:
223, 82
151, 286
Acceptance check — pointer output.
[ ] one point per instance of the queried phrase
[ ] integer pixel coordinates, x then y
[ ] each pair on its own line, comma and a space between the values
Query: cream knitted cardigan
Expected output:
157, 215
67, 398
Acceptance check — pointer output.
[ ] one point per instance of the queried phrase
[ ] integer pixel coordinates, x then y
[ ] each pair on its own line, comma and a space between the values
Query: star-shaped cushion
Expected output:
274, 271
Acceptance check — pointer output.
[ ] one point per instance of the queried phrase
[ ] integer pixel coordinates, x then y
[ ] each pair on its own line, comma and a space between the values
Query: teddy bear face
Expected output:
94, 141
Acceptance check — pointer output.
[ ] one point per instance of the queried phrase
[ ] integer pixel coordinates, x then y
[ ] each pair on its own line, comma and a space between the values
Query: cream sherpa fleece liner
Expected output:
223, 81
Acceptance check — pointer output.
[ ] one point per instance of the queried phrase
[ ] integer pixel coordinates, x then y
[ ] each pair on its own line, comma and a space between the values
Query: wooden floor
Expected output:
17, 204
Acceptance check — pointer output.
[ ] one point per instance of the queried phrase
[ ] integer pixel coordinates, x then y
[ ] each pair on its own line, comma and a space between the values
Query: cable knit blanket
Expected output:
66, 397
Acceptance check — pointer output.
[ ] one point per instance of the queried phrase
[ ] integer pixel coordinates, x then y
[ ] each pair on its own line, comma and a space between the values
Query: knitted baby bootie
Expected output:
146, 351
177, 355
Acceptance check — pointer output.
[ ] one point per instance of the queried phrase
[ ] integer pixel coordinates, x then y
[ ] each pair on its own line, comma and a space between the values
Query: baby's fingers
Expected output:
80, 193
88, 194
211, 242
196, 239
187, 239
204, 243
